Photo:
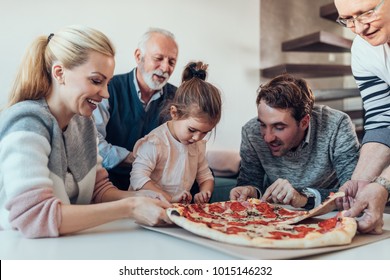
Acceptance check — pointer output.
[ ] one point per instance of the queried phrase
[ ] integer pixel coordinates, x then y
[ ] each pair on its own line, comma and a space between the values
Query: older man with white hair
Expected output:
136, 102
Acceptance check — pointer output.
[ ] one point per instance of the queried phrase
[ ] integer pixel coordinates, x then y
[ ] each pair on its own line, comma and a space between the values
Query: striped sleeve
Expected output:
376, 99
371, 75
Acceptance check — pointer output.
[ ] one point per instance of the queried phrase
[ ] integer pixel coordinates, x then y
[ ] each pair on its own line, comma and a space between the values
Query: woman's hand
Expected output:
148, 211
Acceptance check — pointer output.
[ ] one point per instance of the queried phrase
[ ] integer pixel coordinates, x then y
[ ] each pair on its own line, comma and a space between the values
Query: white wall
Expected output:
223, 33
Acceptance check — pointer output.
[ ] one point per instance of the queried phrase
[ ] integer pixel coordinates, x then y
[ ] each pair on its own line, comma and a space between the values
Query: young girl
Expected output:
171, 157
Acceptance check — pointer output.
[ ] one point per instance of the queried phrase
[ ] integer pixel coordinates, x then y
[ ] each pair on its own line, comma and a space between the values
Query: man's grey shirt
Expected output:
324, 161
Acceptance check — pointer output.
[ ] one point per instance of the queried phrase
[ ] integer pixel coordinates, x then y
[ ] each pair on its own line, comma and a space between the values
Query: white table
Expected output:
126, 240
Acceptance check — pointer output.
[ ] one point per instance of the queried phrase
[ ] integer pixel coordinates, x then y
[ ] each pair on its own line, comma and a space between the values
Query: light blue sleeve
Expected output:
112, 155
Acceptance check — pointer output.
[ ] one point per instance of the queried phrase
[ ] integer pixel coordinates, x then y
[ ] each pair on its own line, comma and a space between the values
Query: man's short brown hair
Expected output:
287, 92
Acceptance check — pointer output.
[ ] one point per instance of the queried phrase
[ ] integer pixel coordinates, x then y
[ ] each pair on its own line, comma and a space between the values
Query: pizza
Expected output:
260, 224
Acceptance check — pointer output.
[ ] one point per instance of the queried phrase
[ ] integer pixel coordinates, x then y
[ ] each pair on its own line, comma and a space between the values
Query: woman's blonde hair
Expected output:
70, 46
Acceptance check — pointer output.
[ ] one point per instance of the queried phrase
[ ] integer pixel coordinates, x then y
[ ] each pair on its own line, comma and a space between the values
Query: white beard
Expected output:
148, 78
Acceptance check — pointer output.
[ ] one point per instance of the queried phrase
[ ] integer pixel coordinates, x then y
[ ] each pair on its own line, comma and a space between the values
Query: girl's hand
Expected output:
183, 197
202, 197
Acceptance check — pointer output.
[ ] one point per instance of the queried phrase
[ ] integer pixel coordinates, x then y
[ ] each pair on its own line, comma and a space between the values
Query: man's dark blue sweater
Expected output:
129, 121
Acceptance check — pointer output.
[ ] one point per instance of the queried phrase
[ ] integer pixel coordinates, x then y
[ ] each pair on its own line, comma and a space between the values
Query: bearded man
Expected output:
136, 102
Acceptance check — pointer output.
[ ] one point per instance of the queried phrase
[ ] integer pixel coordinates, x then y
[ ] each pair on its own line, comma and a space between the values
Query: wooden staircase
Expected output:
322, 42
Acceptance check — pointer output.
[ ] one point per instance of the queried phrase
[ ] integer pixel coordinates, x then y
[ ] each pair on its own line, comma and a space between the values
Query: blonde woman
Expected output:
51, 179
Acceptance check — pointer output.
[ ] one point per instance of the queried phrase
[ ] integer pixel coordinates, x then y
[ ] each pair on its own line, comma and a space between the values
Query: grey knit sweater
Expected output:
324, 162
41, 167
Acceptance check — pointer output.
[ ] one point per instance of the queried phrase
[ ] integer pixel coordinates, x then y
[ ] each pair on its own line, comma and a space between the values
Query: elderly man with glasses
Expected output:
368, 190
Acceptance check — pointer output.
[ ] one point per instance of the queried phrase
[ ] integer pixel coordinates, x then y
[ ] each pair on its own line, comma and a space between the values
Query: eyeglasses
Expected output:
363, 18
